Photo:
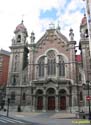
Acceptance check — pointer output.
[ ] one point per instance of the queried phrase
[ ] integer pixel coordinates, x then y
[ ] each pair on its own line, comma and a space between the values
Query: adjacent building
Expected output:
4, 66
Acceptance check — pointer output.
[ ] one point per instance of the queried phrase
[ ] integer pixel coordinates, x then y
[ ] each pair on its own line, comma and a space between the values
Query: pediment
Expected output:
50, 81
52, 35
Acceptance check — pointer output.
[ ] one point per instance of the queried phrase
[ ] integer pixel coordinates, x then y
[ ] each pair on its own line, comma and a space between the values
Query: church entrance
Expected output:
62, 99
39, 103
51, 103
62, 103
51, 99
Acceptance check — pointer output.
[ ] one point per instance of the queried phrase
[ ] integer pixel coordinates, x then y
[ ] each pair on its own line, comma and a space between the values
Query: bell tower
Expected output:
19, 56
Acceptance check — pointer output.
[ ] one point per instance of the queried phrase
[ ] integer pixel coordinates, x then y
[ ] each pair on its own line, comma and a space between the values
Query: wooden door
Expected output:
51, 103
62, 102
39, 103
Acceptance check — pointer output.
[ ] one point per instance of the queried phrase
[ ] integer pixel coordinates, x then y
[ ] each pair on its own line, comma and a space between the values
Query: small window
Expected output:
19, 38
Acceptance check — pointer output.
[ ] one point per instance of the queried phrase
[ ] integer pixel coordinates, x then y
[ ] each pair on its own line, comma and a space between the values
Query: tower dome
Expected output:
84, 20
21, 28
83, 27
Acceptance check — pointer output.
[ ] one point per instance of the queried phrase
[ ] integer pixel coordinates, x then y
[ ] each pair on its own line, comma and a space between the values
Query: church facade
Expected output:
45, 75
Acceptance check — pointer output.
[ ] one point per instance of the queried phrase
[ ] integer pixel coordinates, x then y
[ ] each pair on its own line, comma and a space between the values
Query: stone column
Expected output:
73, 105
33, 108
44, 103
36, 72
56, 104
85, 101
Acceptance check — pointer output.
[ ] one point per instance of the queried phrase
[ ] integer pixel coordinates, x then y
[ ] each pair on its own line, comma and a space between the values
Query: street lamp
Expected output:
8, 102
88, 99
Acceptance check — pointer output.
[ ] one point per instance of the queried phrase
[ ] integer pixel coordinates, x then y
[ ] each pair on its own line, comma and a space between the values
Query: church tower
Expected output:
18, 67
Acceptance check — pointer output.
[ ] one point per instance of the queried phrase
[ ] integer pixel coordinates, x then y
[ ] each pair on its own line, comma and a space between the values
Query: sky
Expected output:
37, 15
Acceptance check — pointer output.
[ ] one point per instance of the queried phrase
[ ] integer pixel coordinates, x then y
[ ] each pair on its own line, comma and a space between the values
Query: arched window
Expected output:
41, 67
51, 62
39, 92
61, 66
50, 91
19, 38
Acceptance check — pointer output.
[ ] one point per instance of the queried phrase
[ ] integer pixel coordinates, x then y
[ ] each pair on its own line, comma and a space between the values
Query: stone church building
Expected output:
46, 75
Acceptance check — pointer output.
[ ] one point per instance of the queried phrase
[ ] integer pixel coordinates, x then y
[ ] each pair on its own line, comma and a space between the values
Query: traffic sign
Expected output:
88, 98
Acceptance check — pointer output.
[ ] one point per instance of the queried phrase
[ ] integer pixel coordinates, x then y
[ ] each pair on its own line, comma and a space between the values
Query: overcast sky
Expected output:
38, 14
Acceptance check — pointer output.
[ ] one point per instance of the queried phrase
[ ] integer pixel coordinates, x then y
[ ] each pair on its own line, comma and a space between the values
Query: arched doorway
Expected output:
39, 99
62, 99
51, 99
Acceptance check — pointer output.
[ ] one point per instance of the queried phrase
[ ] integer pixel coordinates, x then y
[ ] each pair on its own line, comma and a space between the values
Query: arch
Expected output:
39, 91
38, 58
62, 91
65, 89
64, 56
50, 91
56, 51
49, 87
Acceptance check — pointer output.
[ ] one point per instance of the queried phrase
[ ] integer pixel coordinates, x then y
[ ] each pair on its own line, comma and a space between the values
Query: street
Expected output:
41, 119
10, 121
49, 119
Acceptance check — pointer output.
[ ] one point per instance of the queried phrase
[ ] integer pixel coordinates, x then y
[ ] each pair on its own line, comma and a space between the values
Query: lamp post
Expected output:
8, 102
88, 99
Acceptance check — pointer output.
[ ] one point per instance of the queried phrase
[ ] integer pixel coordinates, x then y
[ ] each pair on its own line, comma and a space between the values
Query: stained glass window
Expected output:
61, 66
41, 67
51, 62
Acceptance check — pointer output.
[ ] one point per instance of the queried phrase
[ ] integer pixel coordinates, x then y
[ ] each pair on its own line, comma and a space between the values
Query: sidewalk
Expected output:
54, 115
59, 115
64, 115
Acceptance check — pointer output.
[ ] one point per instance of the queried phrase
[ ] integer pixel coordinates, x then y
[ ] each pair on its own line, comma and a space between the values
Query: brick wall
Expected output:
4, 70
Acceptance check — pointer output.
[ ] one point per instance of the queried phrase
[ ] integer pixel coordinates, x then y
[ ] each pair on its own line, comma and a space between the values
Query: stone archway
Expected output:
62, 99
39, 99
51, 99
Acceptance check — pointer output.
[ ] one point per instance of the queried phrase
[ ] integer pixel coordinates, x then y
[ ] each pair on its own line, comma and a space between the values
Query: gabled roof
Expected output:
52, 34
